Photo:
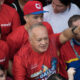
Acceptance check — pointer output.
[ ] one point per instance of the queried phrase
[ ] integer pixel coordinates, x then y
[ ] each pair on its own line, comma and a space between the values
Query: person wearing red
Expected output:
18, 5
70, 52
9, 19
38, 59
33, 13
4, 53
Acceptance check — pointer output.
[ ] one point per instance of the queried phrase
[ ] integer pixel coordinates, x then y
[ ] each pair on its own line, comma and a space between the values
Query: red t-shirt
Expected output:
4, 54
30, 65
9, 20
20, 36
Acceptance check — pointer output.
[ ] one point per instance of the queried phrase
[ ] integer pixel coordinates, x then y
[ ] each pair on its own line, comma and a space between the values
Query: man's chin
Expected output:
44, 50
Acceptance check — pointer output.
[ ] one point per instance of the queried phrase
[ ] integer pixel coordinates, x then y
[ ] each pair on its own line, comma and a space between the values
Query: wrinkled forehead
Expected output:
40, 31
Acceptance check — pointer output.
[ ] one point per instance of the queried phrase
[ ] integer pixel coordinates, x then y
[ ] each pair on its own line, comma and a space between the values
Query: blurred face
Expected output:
58, 6
33, 19
39, 39
2, 75
77, 23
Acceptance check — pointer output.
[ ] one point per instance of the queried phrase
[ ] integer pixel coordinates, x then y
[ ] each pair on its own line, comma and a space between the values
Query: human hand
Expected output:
71, 71
76, 30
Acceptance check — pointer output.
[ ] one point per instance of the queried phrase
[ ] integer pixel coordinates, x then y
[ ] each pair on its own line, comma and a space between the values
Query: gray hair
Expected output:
34, 26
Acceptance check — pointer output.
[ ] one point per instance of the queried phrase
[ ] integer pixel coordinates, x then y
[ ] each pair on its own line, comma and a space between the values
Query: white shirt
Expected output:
59, 21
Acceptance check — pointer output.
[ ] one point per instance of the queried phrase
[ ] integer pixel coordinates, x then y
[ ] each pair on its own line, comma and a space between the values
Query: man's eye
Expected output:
35, 17
39, 40
1, 75
45, 38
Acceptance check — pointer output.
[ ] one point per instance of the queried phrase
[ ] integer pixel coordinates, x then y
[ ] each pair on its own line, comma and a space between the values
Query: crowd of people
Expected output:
39, 40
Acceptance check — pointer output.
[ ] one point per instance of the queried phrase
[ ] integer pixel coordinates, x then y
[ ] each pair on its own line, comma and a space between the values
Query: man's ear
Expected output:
26, 18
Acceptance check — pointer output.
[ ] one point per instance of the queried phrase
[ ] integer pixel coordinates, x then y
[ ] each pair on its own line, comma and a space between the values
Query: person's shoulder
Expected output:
54, 35
47, 7
46, 24
9, 10
25, 50
7, 7
17, 32
74, 6
20, 29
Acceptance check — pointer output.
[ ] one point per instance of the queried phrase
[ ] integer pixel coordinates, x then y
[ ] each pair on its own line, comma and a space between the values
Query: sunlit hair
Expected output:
73, 19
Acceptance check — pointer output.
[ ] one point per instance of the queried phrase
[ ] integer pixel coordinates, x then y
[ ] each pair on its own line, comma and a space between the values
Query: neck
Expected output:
26, 26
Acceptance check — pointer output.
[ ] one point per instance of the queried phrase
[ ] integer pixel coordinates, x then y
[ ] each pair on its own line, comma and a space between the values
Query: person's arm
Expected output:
71, 71
69, 34
14, 42
19, 71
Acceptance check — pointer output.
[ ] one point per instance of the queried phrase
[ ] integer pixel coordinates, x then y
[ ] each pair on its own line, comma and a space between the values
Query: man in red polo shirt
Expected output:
33, 13
9, 19
38, 59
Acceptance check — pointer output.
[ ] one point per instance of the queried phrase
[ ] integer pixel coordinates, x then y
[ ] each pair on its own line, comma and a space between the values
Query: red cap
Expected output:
33, 7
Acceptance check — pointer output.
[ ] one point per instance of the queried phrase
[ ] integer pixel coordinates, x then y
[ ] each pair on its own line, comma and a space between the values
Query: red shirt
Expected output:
4, 54
20, 36
30, 65
69, 59
9, 20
